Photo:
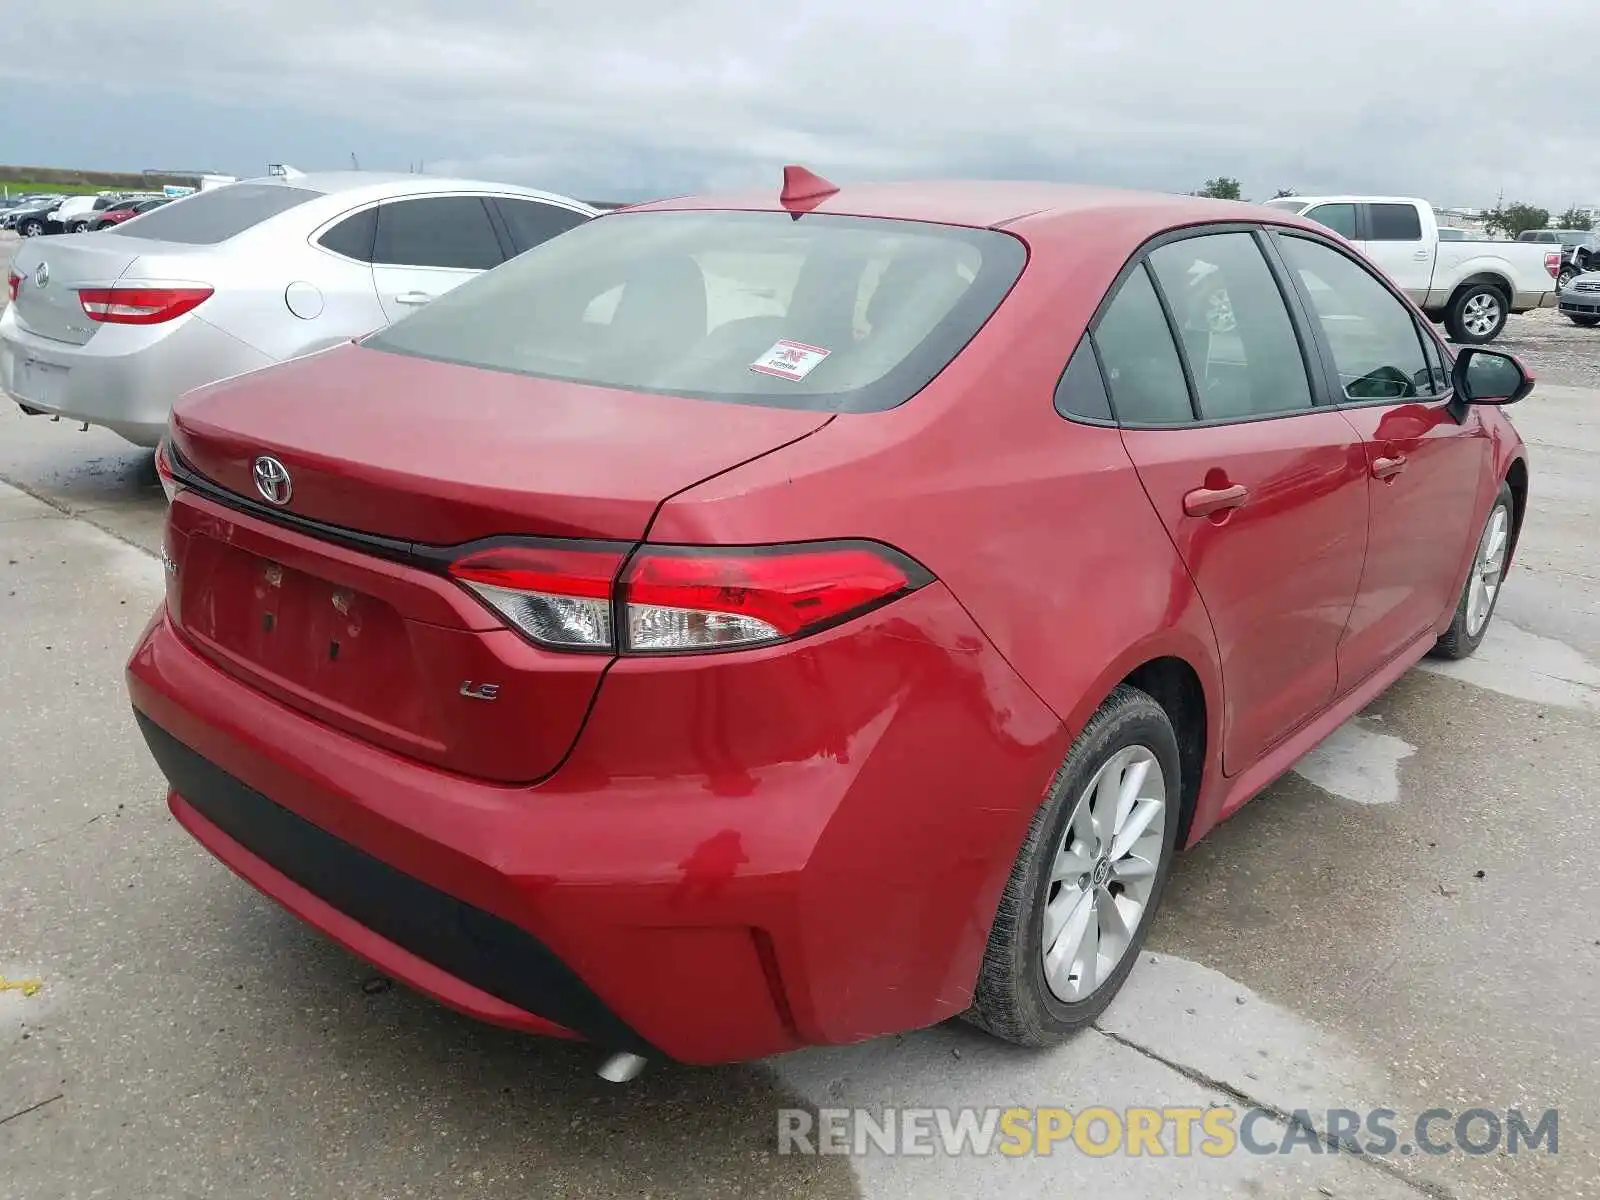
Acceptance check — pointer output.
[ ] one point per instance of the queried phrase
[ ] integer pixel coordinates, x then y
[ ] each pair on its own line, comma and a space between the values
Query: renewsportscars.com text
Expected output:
1160, 1132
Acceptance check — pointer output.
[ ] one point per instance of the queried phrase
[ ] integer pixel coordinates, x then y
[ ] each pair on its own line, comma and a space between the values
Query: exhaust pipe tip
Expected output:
621, 1068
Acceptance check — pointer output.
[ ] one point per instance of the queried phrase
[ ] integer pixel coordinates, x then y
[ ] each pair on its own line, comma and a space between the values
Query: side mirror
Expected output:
1490, 377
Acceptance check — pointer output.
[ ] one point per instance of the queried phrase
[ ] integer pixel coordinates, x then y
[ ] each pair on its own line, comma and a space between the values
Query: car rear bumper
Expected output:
739, 905
126, 377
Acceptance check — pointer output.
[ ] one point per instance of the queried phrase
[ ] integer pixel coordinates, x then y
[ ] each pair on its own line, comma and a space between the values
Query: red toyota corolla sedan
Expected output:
755, 622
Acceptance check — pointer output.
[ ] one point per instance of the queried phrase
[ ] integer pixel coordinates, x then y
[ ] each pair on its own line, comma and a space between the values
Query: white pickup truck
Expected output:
1468, 286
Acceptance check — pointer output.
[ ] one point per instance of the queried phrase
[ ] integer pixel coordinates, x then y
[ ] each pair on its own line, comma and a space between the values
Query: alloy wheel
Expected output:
1487, 568
1103, 874
1481, 314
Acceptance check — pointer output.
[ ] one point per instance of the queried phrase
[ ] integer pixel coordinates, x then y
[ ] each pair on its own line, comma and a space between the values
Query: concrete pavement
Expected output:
1409, 921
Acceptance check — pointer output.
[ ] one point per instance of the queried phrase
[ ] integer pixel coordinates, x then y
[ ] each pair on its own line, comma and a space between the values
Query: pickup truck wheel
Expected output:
1586, 322
1476, 314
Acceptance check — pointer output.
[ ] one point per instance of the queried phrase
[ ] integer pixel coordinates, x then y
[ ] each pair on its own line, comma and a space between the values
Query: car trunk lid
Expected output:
416, 455
76, 263
50, 309
441, 454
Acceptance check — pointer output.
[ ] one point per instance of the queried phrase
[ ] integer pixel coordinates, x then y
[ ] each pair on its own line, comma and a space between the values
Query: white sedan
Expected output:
109, 328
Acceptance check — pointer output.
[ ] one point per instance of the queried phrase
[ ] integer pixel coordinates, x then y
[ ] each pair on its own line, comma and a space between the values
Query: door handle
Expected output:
1421, 255
1388, 468
1202, 502
412, 298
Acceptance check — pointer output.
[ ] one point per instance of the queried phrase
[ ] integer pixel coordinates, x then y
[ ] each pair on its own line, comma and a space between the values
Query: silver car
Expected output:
1580, 299
109, 328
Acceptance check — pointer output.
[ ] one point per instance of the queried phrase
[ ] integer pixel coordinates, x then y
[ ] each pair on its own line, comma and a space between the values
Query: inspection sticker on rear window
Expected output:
790, 360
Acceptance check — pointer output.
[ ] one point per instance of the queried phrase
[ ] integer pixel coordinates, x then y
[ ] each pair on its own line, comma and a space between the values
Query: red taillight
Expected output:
13, 283
692, 598
169, 481
558, 595
683, 599
1552, 263
140, 305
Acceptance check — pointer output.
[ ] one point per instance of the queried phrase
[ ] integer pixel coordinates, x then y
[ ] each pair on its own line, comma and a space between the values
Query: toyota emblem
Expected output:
41, 275
272, 480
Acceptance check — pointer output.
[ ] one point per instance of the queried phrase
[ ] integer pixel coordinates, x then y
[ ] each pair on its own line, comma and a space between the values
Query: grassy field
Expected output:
28, 187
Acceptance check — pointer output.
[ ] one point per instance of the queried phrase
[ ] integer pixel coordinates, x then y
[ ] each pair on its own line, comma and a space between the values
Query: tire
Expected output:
78, 227
1014, 1000
1477, 313
1567, 276
1586, 322
31, 228
1473, 612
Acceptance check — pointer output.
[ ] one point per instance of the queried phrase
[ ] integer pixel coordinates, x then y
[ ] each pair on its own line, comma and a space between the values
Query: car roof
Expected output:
358, 186
1022, 206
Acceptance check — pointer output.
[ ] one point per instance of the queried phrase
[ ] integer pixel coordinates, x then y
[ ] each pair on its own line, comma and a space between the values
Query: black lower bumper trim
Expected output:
475, 946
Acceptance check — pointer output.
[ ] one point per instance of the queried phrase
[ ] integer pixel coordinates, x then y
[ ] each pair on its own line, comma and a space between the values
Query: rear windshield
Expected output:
206, 218
842, 314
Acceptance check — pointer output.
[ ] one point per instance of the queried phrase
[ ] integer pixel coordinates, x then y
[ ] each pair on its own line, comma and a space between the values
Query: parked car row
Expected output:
126, 210
29, 214
268, 270
38, 216
1469, 287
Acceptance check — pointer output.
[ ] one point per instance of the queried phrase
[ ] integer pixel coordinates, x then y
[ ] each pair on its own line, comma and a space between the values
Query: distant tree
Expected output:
1515, 219
1282, 192
1573, 219
1220, 188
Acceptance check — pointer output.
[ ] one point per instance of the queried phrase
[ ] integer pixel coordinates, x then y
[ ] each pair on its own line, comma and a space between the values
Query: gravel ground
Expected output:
1553, 348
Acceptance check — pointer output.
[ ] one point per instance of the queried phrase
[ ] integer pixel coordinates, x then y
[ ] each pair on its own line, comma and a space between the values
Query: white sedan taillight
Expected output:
140, 305
682, 599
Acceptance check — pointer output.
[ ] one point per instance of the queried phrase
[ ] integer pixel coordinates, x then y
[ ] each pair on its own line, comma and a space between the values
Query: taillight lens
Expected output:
558, 595
13, 283
169, 482
683, 599
140, 305
1552, 263
691, 598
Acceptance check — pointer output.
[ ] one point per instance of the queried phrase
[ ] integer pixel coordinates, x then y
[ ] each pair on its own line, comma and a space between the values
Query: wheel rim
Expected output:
1103, 874
1487, 568
1481, 314
1562, 280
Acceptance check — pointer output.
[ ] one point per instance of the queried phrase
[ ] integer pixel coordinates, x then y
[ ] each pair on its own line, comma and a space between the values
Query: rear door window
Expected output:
1341, 218
211, 217
1236, 332
1394, 223
1081, 391
1142, 367
437, 231
530, 222
353, 236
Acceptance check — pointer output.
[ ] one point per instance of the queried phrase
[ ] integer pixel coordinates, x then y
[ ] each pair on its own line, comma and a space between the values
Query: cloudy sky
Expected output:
1455, 100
